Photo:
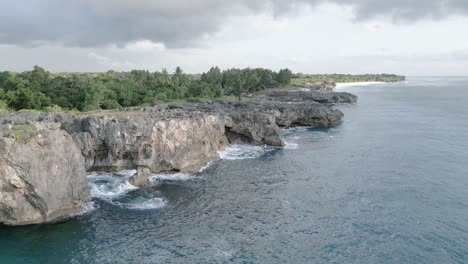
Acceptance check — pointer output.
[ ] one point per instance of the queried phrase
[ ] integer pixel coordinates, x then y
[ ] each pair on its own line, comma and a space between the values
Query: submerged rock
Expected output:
141, 178
42, 175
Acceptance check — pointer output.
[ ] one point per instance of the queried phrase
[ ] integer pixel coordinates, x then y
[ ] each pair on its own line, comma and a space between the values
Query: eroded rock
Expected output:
42, 175
309, 96
43, 157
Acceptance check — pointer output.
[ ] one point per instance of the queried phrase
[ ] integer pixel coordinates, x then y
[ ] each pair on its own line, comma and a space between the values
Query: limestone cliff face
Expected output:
309, 96
253, 128
267, 117
42, 175
185, 143
44, 157
306, 114
117, 143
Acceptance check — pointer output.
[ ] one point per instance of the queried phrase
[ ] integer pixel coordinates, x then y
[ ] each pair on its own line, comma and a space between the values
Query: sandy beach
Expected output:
344, 85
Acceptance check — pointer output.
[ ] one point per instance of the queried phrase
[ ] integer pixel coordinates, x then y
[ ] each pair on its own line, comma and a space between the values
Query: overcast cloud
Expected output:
180, 23
415, 37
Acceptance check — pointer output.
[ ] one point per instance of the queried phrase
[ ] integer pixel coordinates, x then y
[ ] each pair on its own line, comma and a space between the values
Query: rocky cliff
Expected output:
325, 86
309, 96
42, 177
43, 157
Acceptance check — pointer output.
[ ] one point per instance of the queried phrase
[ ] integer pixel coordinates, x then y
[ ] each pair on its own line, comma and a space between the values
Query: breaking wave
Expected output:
290, 137
115, 189
290, 145
241, 151
156, 178
110, 185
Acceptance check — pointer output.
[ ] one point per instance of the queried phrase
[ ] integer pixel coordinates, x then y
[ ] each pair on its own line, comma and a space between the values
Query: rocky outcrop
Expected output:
175, 138
114, 142
43, 157
325, 86
42, 174
172, 138
280, 115
309, 96
141, 178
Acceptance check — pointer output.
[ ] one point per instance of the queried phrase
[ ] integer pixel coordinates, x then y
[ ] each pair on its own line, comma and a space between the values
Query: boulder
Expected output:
141, 178
42, 175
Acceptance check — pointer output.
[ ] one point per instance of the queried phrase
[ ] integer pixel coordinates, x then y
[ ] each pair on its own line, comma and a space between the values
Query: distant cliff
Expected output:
327, 82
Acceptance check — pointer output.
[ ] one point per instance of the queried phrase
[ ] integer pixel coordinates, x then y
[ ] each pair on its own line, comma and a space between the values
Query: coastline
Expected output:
147, 140
352, 84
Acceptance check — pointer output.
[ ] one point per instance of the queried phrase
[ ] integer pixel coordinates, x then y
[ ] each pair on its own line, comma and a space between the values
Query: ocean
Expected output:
387, 185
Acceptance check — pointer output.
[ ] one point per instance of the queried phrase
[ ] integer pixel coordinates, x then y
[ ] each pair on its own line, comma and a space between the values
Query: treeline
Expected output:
41, 90
300, 78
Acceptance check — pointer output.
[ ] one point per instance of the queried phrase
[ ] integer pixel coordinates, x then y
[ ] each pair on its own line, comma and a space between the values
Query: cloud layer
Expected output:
176, 23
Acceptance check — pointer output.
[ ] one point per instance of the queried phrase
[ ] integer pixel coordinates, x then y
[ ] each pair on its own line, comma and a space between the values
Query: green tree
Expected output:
284, 77
234, 81
26, 98
250, 79
180, 80
213, 76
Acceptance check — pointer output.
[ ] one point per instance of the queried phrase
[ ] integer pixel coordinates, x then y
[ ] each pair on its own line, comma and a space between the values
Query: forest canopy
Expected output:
39, 89
42, 90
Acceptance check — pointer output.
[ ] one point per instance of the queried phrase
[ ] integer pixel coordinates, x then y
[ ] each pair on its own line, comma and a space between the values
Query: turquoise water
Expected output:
388, 185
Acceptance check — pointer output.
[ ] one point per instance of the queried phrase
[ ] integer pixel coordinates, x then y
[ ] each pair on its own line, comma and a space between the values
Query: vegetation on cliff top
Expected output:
41, 90
307, 79
21, 133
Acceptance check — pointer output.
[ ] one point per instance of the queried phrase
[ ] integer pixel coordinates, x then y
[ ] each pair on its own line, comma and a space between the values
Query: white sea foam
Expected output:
290, 140
290, 145
142, 203
114, 188
240, 151
206, 166
287, 131
155, 178
351, 84
126, 173
89, 207
108, 186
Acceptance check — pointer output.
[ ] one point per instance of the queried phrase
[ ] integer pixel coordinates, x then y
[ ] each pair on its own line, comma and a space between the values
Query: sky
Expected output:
410, 37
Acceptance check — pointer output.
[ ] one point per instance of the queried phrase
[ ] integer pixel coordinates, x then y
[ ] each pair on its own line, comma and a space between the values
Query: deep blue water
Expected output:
388, 185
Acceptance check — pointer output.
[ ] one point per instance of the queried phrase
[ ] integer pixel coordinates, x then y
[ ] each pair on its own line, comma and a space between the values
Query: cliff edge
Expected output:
44, 156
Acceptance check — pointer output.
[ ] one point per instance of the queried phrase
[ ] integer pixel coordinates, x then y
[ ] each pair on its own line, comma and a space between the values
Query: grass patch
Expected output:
4, 108
22, 133
29, 111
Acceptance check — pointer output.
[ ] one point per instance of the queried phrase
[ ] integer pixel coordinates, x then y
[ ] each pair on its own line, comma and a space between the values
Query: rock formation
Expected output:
308, 96
44, 156
42, 174
113, 143
325, 86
